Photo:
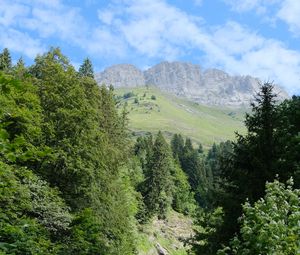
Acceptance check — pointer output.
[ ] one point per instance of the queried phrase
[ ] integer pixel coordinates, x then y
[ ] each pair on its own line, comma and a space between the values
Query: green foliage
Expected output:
31, 212
180, 194
153, 97
128, 95
158, 183
192, 163
86, 235
20, 69
288, 138
252, 161
206, 239
177, 144
66, 130
240, 169
271, 225
5, 61
86, 69
183, 197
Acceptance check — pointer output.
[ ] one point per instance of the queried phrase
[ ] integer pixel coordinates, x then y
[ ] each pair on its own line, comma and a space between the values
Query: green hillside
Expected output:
151, 110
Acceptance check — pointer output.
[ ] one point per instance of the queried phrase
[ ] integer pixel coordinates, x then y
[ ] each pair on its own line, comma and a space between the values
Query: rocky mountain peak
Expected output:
209, 87
122, 75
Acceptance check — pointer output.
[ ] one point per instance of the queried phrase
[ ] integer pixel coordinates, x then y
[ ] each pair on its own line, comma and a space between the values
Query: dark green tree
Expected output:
200, 148
158, 182
5, 60
177, 144
287, 133
252, 162
86, 69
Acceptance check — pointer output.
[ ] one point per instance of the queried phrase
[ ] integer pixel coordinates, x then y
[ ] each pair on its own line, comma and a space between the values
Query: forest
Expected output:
73, 181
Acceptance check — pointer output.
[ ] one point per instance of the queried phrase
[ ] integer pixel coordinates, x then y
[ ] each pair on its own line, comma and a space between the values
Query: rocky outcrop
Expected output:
161, 250
209, 87
123, 75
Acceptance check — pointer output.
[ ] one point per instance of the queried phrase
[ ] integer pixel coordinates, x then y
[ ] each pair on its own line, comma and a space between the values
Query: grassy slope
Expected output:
171, 115
169, 234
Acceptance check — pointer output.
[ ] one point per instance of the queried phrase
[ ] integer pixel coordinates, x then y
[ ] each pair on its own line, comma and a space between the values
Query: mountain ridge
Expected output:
205, 86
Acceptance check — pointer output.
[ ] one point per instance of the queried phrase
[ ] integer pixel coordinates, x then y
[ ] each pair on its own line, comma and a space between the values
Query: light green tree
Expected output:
271, 225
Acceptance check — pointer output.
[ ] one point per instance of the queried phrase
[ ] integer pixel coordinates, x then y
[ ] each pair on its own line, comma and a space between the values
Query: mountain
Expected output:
208, 87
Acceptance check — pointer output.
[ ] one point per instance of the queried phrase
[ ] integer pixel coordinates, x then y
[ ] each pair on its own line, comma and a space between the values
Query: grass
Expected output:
151, 110
166, 233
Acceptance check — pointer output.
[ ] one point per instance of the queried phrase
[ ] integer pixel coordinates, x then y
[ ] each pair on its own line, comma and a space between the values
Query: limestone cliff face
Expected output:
209, 87
123, 75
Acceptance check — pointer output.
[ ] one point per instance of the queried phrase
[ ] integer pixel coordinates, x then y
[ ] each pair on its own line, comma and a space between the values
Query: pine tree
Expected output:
158, 183
86, 69
177, 144
5, 60
200, 148
253, 161
20, 63
288, 131
20, 69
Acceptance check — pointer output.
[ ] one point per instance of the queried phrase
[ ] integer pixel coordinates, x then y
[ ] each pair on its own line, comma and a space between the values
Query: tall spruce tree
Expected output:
177, 144
158, 183
86, 69
5, 60
253, 161
288, 137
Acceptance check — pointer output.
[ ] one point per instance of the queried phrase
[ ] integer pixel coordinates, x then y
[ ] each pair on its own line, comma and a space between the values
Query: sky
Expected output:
242, 37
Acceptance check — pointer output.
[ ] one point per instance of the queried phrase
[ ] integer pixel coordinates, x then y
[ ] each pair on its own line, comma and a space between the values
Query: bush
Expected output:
128, 95
271, 225
153, 97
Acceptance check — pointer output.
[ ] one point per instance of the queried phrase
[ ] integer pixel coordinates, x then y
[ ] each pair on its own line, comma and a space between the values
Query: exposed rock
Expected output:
123, 75
209, 87
161, 250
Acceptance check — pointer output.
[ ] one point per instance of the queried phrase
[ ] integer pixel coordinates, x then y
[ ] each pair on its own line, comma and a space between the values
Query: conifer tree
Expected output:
20, 63
253, 161
5, 60
200, 148
86, 69
158, 196
177, 144
20, 68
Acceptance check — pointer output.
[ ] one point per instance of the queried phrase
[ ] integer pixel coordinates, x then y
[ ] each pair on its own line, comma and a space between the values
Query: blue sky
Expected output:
255, 37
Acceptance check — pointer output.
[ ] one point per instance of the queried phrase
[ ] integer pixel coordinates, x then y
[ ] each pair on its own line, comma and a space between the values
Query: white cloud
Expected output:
10, 13
198, 2
45, 18
106, 16
290, 13
165, 32
271, 11
21, 42
244, 5
261, 7
104, 43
